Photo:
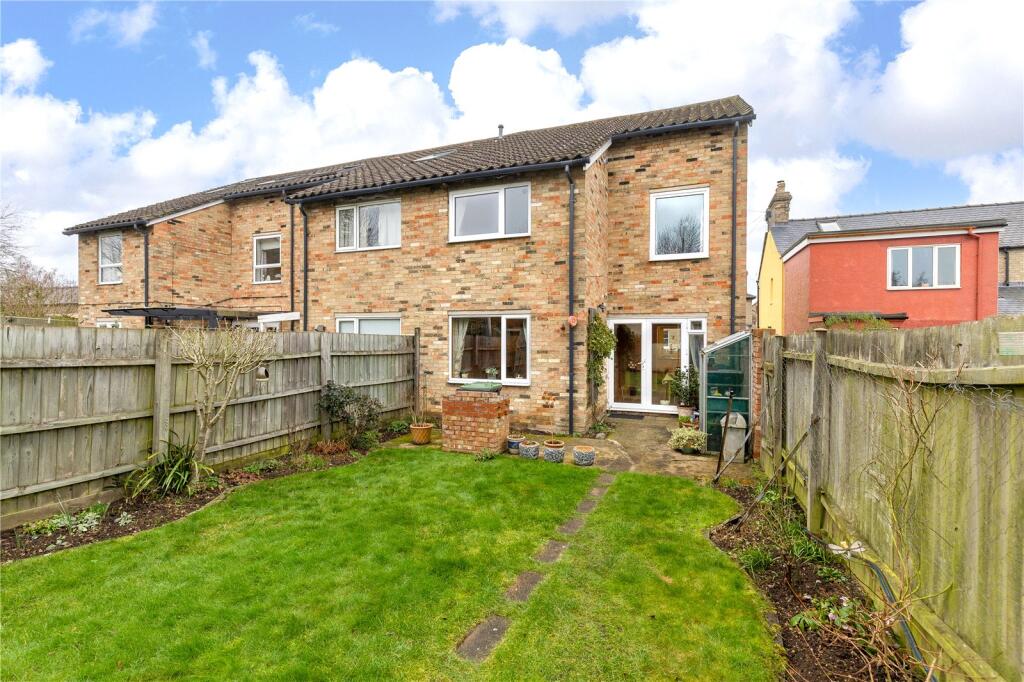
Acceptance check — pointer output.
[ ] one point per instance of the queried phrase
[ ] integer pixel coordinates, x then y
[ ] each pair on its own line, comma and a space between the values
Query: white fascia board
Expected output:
179, 214
888, 235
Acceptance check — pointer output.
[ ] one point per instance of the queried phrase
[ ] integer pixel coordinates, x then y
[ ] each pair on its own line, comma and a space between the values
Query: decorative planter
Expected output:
529, 449
686, 410
583, 455
554, 451
513, 443
421, 433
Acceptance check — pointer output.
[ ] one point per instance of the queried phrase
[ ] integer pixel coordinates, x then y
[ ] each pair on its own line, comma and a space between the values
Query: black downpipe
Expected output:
1006, 267
305, 268
732, 251
291, 259
572, 299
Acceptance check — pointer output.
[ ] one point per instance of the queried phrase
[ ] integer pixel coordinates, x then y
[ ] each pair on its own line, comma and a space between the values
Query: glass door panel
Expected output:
666, 358
627, 379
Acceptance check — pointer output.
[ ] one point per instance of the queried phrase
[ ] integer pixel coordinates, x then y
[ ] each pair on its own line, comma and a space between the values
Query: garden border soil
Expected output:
789, 585
149, 511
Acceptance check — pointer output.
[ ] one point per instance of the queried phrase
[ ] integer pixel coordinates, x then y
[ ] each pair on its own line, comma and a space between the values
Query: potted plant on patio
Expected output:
685, 388
583, 455
529, 449
513, 441
554, 451
688, 440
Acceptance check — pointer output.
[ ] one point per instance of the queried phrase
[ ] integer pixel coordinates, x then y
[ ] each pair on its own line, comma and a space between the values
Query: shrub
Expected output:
397, 427
366, 440
600, 344
684, 385
82, 522
355, 410
168, 474
330, 448
683, 439
262, 466
601, 427
755, 559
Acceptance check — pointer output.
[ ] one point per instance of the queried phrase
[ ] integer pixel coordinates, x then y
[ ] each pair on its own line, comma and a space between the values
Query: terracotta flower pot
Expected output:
529, 449
513, 442
554, 451
686, 410
583, 455
421, 433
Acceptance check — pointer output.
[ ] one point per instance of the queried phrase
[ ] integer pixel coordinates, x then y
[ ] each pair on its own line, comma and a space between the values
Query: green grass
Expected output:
377, 570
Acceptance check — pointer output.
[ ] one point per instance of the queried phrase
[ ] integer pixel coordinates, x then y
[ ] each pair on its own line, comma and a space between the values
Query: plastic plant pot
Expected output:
583, 455
529, 449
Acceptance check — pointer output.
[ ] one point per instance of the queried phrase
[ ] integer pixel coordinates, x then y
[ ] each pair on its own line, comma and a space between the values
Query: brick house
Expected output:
491, 248
912, 268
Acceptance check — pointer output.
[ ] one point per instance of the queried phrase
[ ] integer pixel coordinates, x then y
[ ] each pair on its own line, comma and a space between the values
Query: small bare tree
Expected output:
28, 290
10, 245
219, 359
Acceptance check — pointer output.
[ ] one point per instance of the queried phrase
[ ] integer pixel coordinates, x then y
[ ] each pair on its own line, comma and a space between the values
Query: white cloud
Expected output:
206, 55
520, 19
309, 22
991, 177
22, 64
515, 84
956, 89
128, 26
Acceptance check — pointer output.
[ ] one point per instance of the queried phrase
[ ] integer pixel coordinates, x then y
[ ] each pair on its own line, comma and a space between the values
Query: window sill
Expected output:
268, 281
485, 238
368, 248
505, 382
684, 256
107, 284
941, 287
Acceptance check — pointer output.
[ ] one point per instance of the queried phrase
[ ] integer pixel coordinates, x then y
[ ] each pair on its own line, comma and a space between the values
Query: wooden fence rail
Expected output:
81, 406
962, 514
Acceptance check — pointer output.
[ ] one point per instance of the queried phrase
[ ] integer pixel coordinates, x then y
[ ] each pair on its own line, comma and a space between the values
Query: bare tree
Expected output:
28, 290
10, 246
218, 359
682, 237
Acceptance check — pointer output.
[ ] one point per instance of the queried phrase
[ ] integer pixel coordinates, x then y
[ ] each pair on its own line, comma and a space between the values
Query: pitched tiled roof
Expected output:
789, 234
1011, 300
528, 148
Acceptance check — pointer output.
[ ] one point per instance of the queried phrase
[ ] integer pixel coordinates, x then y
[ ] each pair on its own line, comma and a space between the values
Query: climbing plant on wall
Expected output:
600, 344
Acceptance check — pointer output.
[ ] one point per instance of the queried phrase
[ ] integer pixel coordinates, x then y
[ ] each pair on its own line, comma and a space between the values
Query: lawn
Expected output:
377, 570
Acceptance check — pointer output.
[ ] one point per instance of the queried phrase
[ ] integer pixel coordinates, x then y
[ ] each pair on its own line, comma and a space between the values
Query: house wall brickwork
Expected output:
1015, 257
205, 258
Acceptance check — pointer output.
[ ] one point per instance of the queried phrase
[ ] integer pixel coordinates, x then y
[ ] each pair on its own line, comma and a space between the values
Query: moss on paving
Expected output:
378, 569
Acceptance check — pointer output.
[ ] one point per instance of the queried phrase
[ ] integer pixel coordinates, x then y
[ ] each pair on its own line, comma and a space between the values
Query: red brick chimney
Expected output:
778, 207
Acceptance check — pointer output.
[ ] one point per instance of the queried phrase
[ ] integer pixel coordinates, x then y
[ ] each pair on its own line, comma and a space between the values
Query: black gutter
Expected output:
462, 177
572, 298
732, 250
305, 268
1006, 267
746, 118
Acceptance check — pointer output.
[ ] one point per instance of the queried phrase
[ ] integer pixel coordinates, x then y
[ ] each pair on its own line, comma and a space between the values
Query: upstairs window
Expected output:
110, 259
369, 226
266, 258
679, 224
489, 213
924, 267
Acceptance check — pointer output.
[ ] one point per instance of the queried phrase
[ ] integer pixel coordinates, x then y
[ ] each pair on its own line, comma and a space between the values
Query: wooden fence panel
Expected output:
77, 404
964, 512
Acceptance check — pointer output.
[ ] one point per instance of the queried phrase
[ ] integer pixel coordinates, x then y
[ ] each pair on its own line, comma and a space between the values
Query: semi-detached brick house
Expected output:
478, 244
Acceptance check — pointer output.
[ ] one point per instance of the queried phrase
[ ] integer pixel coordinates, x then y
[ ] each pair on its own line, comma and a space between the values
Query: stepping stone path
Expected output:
478, 644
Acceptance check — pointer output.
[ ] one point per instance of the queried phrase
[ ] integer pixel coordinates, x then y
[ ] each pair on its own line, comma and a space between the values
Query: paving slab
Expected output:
523, 586
606, 479
598, 492
481, 640
586, 506
551, 551
572, 526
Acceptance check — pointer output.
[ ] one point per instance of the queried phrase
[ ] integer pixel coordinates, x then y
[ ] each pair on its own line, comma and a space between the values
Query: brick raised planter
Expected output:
472, 421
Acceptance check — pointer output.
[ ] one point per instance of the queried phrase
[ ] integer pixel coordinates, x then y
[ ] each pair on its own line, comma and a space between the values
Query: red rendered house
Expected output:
895, 266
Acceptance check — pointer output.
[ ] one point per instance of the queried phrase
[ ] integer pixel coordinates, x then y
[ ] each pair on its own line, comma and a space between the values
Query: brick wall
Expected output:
473, 421
757, 337
1016, 258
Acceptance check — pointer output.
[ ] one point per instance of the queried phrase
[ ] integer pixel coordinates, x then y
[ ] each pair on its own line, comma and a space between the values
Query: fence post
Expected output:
325, 376
818, 432
162, 392
416, 386
779, 401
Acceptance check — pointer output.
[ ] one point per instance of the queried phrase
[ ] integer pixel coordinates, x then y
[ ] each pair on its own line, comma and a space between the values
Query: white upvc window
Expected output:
934, 266
110, 255
485, 346
108, 323
494, 212
266, 258
344, 324
679, 224
370, 226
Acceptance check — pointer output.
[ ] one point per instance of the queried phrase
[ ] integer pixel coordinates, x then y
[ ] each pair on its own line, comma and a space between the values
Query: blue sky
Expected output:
861, 107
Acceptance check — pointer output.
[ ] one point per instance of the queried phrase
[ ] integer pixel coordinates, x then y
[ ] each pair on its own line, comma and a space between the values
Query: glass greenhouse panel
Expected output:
727, 368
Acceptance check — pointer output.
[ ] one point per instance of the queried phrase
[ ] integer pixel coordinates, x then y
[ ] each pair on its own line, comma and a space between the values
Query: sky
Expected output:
861, 107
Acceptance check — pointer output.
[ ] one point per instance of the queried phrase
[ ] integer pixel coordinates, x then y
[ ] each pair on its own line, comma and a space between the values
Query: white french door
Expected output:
647, 351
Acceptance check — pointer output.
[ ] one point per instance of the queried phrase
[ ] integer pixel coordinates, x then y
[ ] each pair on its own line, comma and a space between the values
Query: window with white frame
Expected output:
368, 325
679, 224
110, 259
489, 213
266, 258
108, 323
924, 267
495, 347
369, 226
